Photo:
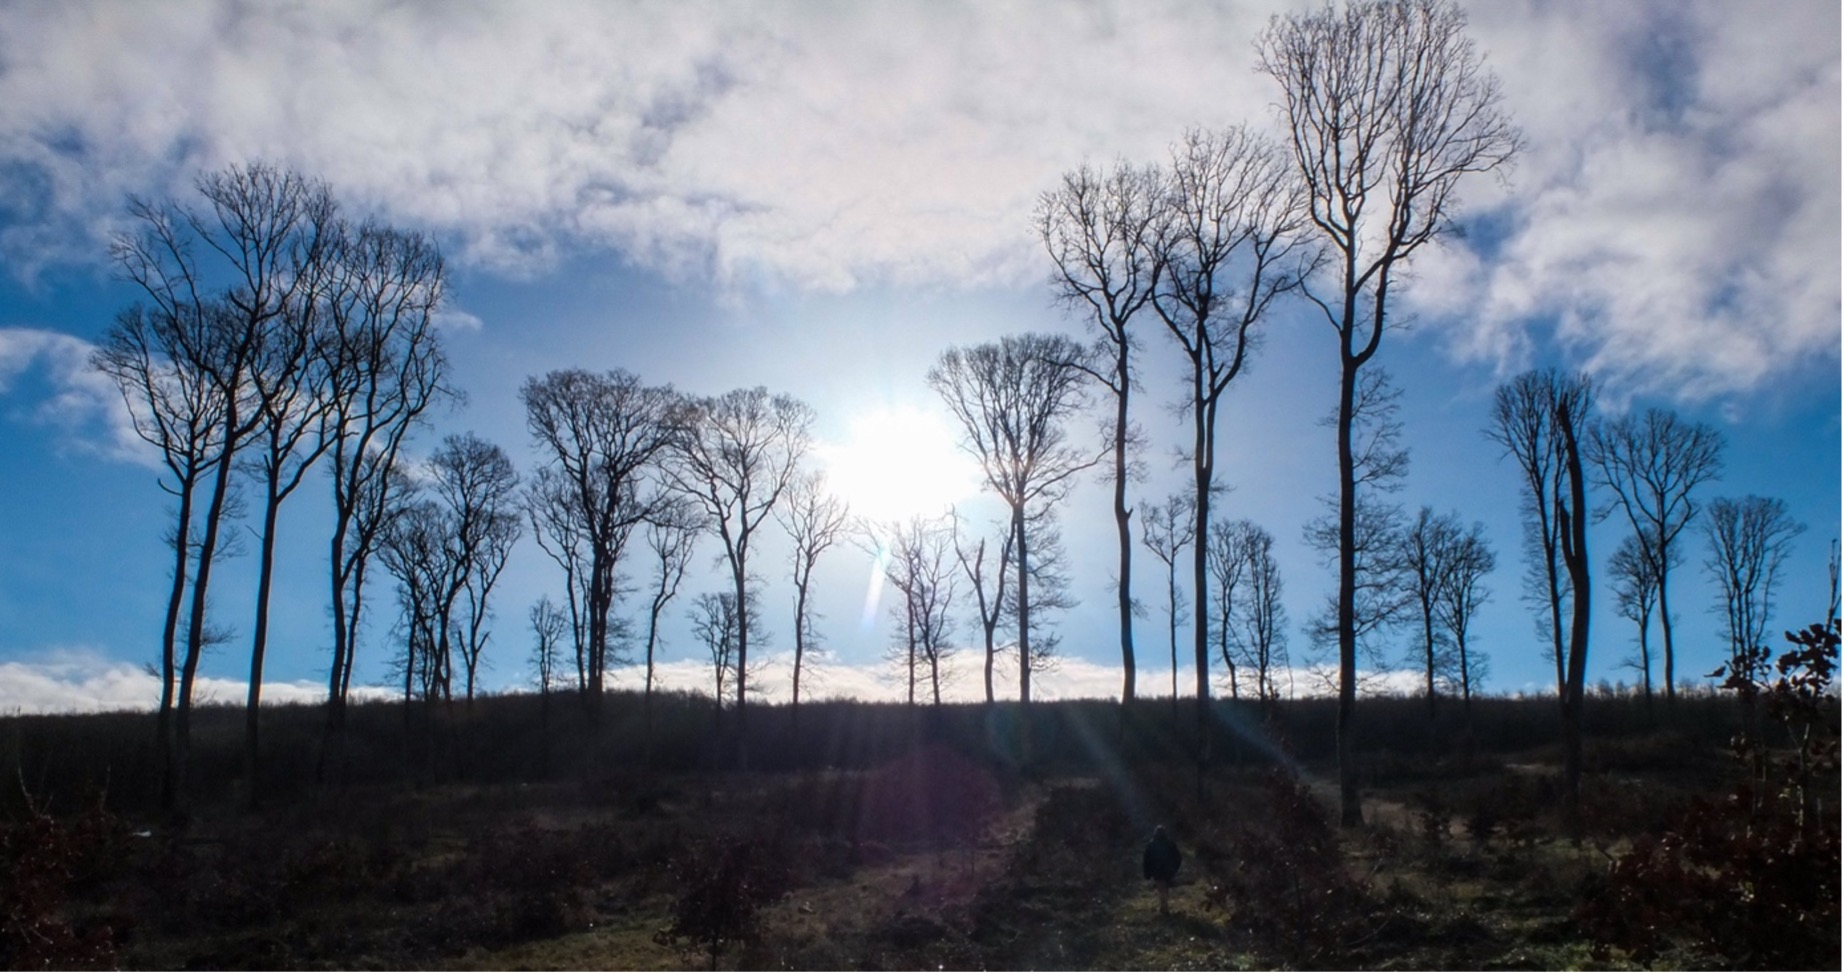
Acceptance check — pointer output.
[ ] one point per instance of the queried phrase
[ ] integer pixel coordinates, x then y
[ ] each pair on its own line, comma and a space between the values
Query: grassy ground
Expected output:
932, 855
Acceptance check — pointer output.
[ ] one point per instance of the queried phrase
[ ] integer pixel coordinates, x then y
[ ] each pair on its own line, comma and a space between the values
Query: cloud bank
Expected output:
1676, 218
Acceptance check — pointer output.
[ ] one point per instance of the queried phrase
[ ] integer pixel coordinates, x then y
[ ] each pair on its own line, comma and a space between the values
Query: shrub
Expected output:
1753, 879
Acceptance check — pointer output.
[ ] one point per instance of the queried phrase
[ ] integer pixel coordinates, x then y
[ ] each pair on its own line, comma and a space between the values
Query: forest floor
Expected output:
930, 862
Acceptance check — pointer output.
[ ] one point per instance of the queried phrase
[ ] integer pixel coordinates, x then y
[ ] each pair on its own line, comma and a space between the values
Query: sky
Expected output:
820, 198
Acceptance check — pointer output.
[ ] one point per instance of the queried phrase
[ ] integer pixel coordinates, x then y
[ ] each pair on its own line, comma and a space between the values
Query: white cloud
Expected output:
81, 680
1677, 210
81, 403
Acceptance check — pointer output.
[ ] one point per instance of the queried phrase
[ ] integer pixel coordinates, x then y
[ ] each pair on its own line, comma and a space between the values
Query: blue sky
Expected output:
821, 198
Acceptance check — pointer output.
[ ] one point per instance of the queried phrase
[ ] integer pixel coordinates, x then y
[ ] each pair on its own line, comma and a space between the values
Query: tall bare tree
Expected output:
1636, 592
179, 410
1749, 541
221, 341
1166, 530
1572, 529
1652, 463
1012, 399
1524, 423
815, 520
602, 438
386, 368
1230, 242
1387, 107
737, 454
1101, 230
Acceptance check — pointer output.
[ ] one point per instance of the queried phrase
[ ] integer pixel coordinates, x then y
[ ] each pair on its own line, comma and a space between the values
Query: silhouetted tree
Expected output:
1102, 232
476, 485
1749, 540
916, 558
737, 454
1636, 592
1652, 463
1012, 399
601, 438
1256, 619
1230, 242
217, 352
386, 368
1426, 551
1370, 541
1524, 422
1572, 528
1166, 530
1387, 106
672, 534
1470, 560
549, 628
815, 520
988, 581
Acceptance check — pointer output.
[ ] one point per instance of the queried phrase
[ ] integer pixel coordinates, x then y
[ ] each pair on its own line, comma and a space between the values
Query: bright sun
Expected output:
899, 463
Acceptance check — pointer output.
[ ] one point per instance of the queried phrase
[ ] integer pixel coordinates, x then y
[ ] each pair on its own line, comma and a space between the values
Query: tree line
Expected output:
274, 335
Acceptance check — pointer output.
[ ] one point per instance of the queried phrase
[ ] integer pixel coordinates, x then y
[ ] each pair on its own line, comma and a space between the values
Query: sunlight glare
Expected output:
899, 463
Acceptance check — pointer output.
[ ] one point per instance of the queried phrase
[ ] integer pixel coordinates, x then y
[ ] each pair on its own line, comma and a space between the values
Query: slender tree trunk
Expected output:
169, 637
1204, 431
1576, 557
259, 643
1123, 517
1665, 631
1350, 814
195, 635
740, 576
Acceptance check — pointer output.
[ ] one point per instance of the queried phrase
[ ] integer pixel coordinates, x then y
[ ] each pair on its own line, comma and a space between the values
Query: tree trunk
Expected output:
1350, 813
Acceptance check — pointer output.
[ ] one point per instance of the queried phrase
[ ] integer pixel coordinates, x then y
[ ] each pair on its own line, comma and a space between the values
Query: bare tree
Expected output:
1636, 592
1102, 232
1012, 399
990, 601
716, 623
1425, 553
413, 549
477, 487
1230, 243
672, 535
1524, 422
1652, 463
386, 368
1228, 571
1387, 106
1166, 530
550, 626
1370, 542
602, 437
1750, 539
179, 410
203, 365
916, 558
1470, 560
1256, 619
1572, 529
815, 520
737, 454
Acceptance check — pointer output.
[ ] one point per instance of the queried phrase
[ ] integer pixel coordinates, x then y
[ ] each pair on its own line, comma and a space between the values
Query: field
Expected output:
517, 833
